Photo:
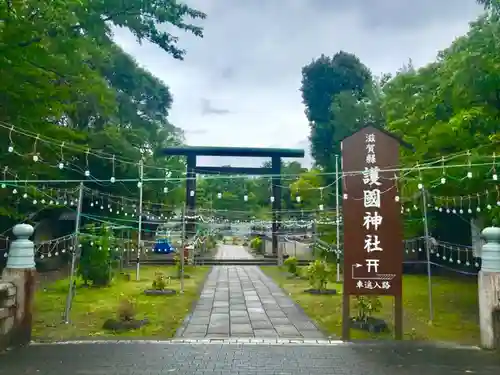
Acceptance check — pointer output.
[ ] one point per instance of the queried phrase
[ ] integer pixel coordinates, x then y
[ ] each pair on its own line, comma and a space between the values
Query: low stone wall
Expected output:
7, 313
291, 248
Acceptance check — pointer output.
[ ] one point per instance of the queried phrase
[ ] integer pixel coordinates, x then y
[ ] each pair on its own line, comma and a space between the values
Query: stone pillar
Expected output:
489, 289
21, 272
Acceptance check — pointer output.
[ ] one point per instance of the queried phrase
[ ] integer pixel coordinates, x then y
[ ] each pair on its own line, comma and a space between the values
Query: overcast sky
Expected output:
239, 85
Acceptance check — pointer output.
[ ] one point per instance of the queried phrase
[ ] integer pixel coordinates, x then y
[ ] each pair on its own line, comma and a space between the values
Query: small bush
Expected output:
366, 306
291, 264
256, 243
319, 273
177, 260
160, 281
126, 310
235, 240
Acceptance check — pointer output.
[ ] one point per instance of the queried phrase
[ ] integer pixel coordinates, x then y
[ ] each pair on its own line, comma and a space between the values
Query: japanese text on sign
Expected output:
372, 220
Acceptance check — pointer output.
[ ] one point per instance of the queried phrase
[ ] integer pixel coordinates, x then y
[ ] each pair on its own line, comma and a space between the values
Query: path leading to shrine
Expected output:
201, 358
240, 301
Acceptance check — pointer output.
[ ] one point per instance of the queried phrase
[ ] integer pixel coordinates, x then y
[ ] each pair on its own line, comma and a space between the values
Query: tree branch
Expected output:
55, 32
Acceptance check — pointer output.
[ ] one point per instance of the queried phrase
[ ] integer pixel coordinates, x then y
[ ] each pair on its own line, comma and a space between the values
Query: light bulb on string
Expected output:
298, 198
61, 165
271, 199
87, 173
165, 189
11, 148
443, 180
219, 195
396, 198
14, 191
112, 180
420, 186
245, 198
495, 177
321, 207
191, 193
25, 195
469, 174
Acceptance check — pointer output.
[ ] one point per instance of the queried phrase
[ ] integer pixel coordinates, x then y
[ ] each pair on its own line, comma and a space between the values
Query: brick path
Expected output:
138, 358
240, 301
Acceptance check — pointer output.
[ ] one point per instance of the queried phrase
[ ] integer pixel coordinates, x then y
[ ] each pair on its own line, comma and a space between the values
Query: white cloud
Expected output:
248, 66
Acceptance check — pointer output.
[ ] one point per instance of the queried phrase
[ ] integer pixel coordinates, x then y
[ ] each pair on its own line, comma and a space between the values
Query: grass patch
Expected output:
93, 306
456, 312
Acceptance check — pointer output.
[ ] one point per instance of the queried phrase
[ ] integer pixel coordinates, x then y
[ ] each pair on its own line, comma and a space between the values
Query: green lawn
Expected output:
93, 306
455, 308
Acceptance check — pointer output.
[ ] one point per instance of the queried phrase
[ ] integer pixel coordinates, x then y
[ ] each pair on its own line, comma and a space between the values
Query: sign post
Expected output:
373, 230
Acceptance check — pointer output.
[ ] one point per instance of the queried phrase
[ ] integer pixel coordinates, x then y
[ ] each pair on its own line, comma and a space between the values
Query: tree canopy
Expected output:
448, 110
70, 94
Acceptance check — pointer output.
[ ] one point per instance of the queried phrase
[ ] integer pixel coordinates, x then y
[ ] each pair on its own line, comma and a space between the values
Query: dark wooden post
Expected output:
276, 192
190, 199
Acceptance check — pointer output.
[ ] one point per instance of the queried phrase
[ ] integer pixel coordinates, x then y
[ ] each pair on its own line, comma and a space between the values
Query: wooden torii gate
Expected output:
192, 169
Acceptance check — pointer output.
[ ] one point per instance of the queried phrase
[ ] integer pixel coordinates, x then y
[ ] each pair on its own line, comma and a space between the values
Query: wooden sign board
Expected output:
373, 230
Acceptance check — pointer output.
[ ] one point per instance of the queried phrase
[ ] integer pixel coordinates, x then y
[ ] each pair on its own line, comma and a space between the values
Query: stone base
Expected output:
24, 281
372, 325
164, 292
177, 277
489, 309
123, 326
321, 291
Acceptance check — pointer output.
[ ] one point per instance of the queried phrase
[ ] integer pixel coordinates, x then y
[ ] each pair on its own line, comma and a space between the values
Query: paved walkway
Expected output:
246, 359
240, 301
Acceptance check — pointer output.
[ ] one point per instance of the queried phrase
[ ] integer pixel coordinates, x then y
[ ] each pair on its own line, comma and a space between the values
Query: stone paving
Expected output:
150, 358
240, 301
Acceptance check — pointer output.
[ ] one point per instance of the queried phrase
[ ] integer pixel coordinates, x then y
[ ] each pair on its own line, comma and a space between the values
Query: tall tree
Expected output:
322, 81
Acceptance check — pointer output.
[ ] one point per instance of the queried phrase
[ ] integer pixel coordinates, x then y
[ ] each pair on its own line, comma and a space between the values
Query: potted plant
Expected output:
319, 273
126, 320
366, 307
159, 287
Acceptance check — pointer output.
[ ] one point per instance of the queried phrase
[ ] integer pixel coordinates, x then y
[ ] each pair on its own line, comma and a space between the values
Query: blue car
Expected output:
162, 246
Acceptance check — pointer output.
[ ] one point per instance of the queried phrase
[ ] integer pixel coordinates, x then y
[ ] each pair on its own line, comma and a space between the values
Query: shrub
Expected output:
291, 264
256, 243
177, 260
96, 258
366, 306
235, 241
126, 310
319, 273
160, 281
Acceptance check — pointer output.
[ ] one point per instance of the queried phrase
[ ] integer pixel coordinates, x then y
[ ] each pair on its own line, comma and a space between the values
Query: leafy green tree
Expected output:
322, 81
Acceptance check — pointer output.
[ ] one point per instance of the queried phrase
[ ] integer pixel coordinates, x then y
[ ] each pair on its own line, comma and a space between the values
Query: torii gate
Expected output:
192, 169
